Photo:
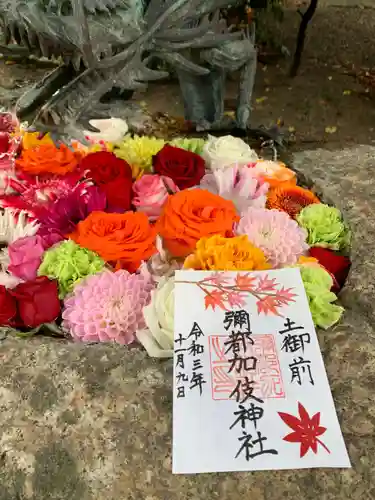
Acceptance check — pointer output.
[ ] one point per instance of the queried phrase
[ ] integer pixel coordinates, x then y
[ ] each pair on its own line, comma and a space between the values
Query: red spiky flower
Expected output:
290, 198
29, 193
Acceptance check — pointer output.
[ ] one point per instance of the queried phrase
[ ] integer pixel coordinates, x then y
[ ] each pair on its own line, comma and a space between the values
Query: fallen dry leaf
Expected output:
261, 99
330, 130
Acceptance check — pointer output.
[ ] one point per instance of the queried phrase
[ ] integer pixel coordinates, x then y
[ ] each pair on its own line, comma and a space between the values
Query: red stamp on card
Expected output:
266, 377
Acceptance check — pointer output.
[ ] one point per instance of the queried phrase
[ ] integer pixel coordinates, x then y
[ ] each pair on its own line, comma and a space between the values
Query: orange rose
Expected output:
192, 214
274, 172
123, 240
48, 159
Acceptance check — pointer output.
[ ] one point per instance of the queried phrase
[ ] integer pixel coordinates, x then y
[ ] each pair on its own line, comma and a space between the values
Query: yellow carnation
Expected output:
33, 139
303, 260
106, 146
226, 254
138, 152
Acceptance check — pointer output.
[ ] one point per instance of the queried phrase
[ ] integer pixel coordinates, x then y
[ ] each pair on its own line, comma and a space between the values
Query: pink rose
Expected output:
25, 256
151, 193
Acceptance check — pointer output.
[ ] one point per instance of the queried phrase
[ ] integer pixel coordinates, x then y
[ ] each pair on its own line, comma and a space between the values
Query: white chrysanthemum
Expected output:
8, 280
157, 339
12, 227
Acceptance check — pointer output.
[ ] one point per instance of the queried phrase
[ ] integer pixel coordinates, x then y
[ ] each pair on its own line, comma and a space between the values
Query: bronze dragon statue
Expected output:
109, 43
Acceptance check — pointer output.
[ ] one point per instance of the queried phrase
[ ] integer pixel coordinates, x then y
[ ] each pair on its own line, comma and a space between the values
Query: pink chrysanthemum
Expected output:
107, 307
237, 184
274, 232
30, 193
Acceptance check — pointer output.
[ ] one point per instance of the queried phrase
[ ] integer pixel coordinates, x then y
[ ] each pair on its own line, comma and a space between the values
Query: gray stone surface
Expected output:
94, 423
370, 4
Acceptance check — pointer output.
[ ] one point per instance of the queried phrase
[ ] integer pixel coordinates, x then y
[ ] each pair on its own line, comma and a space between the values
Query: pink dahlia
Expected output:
107, 307
237, 184
282, 240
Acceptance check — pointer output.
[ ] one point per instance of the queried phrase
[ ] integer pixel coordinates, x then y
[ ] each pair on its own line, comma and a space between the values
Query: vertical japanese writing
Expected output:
181, 377
250, 408
190, 346
294, 344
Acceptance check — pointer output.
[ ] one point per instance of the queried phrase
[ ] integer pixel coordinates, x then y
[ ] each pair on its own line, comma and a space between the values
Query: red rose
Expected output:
8, 307
337, 265
37, 301
113, 175
185, 168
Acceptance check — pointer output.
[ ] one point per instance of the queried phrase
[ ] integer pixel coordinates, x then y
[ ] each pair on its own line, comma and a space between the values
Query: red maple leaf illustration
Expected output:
215, 298
305, 430
285, 295
217, 279
245, 282
222, 291
266, 285
268, 305
236, 299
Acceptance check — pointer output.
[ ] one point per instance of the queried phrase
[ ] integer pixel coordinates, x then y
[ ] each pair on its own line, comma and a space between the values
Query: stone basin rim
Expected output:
332, 189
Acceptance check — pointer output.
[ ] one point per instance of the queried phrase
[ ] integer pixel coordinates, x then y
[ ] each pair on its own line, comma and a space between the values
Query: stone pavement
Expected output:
94, 422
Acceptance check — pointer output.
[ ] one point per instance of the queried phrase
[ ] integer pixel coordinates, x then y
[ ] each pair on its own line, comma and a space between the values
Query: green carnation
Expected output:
318, 283
193, 144
68, 263
325, 226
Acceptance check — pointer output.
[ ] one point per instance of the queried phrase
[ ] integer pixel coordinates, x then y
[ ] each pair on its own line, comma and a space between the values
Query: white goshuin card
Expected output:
250, 387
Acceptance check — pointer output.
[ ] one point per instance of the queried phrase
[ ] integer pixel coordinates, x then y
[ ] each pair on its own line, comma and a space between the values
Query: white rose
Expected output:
226, 151
158, 338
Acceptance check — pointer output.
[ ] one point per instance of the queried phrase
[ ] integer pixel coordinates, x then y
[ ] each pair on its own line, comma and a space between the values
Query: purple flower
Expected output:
64, 214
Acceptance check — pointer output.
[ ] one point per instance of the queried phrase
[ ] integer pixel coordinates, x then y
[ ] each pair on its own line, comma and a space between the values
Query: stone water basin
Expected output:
94, 422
